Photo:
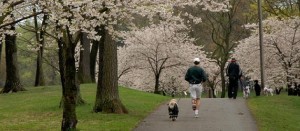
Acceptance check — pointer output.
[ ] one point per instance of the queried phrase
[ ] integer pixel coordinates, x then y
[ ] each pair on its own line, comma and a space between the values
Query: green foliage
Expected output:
37, 109
286, 8
276, 113
27, 56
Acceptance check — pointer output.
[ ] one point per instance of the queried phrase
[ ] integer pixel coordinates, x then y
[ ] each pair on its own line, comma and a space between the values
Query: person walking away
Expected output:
257, 88
233, 71
195, 76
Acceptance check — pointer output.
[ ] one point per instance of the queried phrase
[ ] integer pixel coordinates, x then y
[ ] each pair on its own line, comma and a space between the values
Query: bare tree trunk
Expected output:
156, 91
39, 74
107, 98
84, 74
223, 81
12, 71
93, 58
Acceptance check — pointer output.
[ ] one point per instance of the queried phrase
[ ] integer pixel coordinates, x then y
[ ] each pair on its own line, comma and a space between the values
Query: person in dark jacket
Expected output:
234, 72
195, 75
257, 88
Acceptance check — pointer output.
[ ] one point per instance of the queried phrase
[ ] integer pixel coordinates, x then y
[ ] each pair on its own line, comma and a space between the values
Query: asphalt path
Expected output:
215, 114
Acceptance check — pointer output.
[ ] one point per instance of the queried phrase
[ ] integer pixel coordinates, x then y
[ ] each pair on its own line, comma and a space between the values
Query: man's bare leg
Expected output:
197, 107
194, 104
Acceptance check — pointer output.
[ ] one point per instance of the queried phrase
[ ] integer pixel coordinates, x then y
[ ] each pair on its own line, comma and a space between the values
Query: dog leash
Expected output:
185, 94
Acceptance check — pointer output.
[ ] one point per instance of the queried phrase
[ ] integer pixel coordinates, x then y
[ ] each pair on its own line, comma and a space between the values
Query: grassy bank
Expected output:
37, 109
276, 113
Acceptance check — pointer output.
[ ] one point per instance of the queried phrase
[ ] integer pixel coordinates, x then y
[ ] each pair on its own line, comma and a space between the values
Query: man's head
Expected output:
233, 60
196, 61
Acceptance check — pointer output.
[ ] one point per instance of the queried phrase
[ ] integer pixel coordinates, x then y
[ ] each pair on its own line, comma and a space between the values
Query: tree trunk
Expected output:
0, 51
93, 58
79, 100
69, 89
156, 91
223, 81
84, 74
52, 74
107, 98
39, 74
12, 71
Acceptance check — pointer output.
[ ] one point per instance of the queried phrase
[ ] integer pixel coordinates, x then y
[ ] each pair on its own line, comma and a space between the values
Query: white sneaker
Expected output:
196, 113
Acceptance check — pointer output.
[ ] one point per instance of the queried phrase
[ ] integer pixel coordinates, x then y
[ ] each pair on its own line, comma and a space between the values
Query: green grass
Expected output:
276, 113
37, 110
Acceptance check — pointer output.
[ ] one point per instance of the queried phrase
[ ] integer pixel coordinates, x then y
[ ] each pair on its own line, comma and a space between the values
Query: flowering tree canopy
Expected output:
158, 54
281, 51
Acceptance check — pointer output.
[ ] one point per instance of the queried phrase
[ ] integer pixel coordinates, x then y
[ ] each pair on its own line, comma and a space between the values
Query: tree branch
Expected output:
17, 21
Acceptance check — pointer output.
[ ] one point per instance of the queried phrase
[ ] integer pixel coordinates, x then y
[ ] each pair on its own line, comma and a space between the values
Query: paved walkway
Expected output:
215, 114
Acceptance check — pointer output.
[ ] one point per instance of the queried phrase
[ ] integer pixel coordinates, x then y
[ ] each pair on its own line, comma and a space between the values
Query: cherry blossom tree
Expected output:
158, 57
8, 18
281, 51
225, 29
214, 79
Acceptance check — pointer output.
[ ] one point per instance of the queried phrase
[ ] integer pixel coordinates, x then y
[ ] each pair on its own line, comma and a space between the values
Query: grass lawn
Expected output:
37, 110
276, 113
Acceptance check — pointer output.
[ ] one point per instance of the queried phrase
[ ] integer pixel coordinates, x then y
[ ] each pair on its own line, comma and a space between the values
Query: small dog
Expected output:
173, 109
268, 91
278, 90
246, 92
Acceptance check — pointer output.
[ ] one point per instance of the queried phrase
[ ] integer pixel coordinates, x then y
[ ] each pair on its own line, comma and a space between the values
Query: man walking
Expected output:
195, 75
234, 72
257, 88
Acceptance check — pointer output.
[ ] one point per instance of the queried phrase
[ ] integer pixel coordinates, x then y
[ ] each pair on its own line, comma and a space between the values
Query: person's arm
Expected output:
187, 76
240, 72
227, 73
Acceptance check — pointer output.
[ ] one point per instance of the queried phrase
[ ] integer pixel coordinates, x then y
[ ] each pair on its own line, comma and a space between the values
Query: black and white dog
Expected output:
246, 92
173, 109
268, 91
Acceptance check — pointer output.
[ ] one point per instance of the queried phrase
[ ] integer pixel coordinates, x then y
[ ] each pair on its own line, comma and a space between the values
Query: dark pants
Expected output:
257, 92
232, 87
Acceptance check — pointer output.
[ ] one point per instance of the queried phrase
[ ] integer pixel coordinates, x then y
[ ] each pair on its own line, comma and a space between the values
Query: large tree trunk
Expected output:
12, 71
79, 100
39, 74
107, 98
84, 74
69, 89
